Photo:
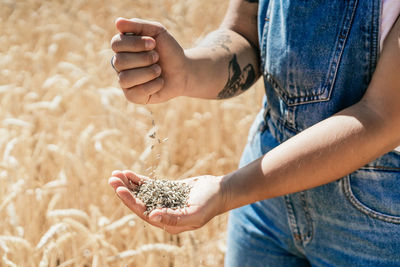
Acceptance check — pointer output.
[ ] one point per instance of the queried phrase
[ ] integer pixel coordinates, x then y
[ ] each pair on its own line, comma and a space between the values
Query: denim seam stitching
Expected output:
375, 39
292, 221
381, 168
364, 209
276, 85
341, 43
310, 228
264, 41
285, 124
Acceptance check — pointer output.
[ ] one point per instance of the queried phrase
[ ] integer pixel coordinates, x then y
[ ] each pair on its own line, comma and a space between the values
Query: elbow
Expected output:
383, 115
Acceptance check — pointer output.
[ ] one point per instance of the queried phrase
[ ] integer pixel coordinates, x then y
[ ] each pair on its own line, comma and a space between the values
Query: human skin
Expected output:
201, 72
347, 140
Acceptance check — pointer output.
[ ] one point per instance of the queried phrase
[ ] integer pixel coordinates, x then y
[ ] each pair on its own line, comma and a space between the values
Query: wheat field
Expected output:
65, 126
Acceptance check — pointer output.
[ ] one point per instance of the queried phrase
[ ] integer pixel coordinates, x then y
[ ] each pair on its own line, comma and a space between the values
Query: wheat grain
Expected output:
102, 221
16, 188
162, 194
53, 202
7, 157
68, 213
64, 238
8, 262
50, 105
55, 184
3, 247
4, 258
121, 222
47, 255
79, 227
106, 133
95, 260
12, 214
17, 122
53, 230
105, 245
17, 242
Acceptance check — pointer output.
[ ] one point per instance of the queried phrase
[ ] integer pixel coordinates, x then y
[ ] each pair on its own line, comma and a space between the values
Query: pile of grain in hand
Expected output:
163, 194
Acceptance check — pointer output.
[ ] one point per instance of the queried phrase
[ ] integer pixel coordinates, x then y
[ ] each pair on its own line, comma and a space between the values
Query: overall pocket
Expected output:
302, 45
375, 191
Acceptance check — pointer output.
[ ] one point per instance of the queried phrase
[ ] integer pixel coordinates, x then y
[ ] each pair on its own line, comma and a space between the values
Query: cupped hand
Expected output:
151, 65
206, 200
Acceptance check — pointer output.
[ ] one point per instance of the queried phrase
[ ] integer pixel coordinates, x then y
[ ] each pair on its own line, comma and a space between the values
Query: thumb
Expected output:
178, 217
139, 27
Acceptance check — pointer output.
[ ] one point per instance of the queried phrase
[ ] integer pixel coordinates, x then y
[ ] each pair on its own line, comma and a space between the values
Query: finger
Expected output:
132, 43
135, 178
139, 26
131, 202
115, 182
159, 97
112, 64
142, 93
124, 61
176, 230
133, 77
176, 218
120, 175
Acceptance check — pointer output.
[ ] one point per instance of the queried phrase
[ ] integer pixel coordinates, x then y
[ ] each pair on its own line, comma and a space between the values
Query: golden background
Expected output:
65, 126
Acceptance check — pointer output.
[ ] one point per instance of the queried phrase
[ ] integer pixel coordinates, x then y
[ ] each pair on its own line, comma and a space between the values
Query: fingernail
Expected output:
115, 172
156, 218
148, 44
155, 56
118, 19
157, 68
118, 193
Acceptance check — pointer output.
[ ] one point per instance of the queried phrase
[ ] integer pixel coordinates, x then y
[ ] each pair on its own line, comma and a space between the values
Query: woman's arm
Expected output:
344, 142
225, 63
152, 67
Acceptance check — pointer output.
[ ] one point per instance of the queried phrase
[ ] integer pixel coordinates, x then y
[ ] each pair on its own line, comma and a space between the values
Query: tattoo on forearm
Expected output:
238, 80
222, 40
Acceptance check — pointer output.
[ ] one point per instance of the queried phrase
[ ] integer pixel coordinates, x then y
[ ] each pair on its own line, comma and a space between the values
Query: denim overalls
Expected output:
317, 58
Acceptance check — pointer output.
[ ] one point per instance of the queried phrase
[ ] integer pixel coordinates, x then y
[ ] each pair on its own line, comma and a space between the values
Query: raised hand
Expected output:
206, 200
150, 63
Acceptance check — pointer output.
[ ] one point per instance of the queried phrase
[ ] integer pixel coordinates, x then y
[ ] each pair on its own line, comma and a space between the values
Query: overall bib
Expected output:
317, 58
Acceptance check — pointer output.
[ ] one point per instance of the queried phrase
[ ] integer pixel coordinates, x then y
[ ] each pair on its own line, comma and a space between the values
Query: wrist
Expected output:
225, 194
189, 76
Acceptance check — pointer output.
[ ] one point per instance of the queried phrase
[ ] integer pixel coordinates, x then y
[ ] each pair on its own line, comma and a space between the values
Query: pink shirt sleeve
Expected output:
390, 12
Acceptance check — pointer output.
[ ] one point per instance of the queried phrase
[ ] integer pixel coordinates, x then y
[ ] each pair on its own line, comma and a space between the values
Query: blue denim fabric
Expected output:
317, 58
